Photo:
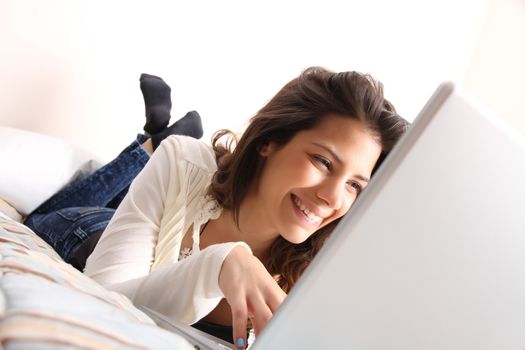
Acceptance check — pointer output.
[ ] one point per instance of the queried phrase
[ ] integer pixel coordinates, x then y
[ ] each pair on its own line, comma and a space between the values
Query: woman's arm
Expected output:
187, 290
126, 249
122, 260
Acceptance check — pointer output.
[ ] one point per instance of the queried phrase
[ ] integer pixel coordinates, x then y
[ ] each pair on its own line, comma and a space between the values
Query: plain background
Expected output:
70, 68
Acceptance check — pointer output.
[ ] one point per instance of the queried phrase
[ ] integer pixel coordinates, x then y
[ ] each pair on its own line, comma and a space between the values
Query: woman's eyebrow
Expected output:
338, 160
329, 150
363, 178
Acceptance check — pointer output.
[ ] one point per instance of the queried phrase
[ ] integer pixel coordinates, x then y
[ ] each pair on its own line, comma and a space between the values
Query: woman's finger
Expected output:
248, 288
261, 314
239, 322
275, 299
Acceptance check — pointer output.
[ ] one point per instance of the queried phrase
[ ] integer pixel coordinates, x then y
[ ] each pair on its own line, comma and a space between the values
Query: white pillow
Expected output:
35, 166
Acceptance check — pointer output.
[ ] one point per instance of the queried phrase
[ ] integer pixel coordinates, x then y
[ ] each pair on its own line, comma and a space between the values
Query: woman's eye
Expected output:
323, 161
355, 186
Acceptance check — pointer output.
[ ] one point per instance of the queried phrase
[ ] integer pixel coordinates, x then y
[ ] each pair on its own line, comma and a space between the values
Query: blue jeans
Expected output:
83, 208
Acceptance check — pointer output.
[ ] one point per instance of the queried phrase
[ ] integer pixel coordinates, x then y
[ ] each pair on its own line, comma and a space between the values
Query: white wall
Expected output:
71, 68
496, 74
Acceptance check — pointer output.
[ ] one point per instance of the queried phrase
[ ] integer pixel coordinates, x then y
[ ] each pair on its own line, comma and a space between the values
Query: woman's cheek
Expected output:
307, 172
347, 204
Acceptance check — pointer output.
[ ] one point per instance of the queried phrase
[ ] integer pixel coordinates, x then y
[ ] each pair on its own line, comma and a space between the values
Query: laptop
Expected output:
432, 255
199, 339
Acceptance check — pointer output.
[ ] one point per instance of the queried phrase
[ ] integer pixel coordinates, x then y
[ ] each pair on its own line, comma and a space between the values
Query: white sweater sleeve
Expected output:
187, 290
122, 259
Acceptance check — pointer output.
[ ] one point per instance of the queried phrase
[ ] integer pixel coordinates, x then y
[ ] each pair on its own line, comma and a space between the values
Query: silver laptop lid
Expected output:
432, 256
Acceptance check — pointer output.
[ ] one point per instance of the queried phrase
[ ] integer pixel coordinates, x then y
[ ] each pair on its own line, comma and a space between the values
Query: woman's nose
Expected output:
331, 191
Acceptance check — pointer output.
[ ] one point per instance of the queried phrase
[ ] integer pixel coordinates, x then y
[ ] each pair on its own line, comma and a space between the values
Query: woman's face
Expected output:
314, 178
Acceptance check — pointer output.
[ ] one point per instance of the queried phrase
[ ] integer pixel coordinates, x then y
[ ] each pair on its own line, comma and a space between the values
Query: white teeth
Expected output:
312, 217
299, 204
306, 211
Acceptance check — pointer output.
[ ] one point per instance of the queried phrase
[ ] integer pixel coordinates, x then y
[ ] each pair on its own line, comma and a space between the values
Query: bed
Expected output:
45, 303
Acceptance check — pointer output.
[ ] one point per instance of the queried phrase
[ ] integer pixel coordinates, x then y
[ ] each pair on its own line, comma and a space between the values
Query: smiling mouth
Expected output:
311, 217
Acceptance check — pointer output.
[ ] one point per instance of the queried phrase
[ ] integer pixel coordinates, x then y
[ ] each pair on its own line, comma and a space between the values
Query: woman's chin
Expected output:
296, 237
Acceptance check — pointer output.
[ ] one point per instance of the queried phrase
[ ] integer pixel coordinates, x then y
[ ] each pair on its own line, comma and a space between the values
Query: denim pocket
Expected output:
77, 213
66, 228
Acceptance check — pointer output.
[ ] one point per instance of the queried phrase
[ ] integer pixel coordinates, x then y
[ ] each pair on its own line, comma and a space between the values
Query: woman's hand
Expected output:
250, 290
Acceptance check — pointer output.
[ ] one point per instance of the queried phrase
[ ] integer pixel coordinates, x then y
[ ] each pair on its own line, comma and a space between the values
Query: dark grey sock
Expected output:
157, 100
189, 125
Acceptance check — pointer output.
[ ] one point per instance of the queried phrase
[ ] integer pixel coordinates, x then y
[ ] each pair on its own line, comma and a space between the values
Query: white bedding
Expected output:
47, 304
35, 166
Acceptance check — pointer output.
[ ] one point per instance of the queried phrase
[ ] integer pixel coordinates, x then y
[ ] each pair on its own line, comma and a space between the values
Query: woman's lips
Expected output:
305, 212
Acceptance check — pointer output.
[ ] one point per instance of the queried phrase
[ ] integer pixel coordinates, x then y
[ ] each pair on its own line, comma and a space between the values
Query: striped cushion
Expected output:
47, 304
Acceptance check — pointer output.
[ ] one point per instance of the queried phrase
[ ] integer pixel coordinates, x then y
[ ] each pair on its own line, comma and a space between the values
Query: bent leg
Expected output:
102, 186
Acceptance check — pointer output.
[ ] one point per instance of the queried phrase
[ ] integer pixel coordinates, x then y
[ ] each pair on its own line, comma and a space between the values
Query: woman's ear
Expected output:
265, 148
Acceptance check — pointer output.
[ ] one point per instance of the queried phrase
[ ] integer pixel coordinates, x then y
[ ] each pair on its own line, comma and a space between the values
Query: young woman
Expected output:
219, 235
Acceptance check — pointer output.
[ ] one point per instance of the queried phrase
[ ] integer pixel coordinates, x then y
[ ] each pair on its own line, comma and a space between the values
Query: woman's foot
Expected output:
157, 100
189, 125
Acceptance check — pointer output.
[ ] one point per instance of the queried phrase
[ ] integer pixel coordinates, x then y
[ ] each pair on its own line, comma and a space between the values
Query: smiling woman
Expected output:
345, 127
307, 184
216, 236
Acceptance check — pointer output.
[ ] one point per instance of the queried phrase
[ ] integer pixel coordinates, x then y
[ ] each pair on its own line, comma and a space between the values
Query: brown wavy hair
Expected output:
300, 105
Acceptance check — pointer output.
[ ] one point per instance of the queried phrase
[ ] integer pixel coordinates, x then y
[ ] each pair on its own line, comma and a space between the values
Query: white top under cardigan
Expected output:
138, 253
